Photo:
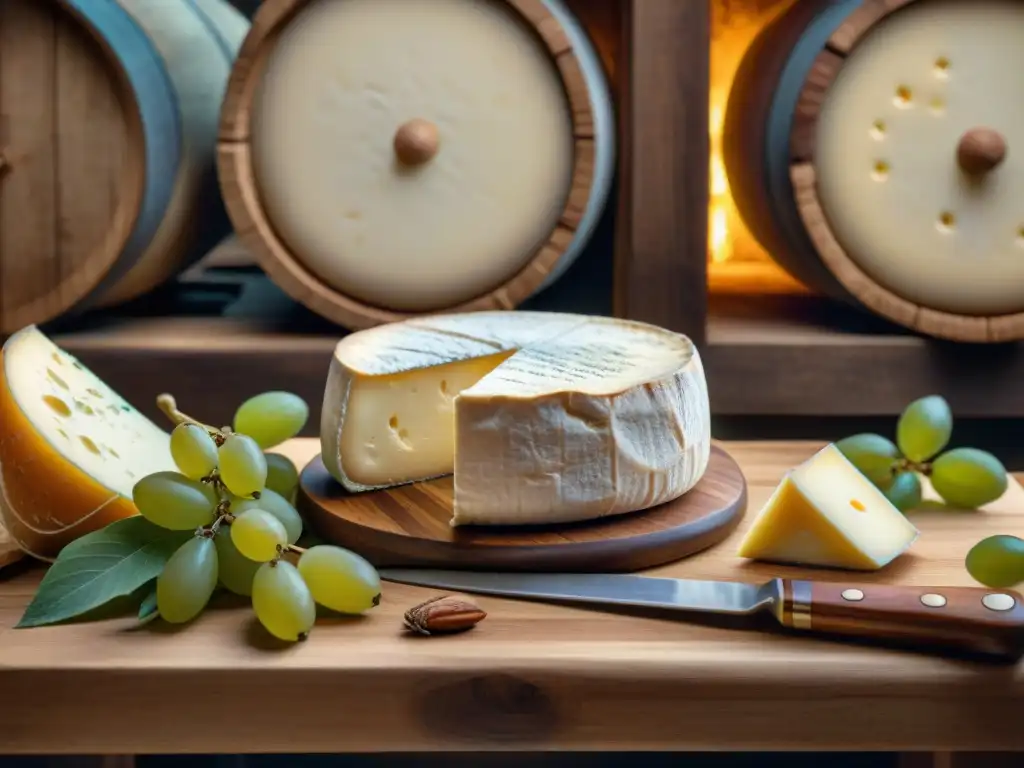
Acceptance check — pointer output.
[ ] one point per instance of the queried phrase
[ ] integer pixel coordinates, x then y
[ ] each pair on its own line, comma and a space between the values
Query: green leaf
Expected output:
148, 610
100, 566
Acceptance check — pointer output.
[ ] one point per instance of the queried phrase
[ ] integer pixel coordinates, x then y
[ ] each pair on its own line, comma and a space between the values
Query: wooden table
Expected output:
531, 676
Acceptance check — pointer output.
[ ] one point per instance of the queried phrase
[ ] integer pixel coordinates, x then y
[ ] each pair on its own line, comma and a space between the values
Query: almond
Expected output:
444, 614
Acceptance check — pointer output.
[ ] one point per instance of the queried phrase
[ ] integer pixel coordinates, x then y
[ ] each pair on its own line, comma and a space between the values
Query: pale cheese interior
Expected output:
401, 426
886, 155
343, 77
826, 513
80, 416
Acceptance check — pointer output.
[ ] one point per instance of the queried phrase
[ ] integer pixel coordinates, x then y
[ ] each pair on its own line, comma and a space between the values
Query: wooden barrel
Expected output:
107, 147
456, 161
870, 144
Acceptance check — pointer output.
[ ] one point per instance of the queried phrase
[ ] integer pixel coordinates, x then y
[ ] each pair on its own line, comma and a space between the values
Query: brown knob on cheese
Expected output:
981, 150
416, 142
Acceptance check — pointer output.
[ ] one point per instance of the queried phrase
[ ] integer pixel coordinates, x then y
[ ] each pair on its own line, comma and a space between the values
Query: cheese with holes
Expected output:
542, 417
886, 152
826, 513
71, 448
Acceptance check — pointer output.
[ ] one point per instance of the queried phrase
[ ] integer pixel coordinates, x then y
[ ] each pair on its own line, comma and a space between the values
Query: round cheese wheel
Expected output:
920, 155
384, 158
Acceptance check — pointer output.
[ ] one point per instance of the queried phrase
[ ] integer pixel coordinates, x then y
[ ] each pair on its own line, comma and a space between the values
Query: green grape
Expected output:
997, 561
257, 534
282, 476
187, 581
924, 428
968, 478
236, 571
243, 468
873, 455
271, 418
276, 505
193, 450
173, 501
905, 491
339, 579
282, 601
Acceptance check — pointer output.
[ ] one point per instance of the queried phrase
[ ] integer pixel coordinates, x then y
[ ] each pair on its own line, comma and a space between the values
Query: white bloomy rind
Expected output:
542, 417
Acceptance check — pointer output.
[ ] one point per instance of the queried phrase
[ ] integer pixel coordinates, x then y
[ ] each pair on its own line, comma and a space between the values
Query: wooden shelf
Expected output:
808, 357
779, 357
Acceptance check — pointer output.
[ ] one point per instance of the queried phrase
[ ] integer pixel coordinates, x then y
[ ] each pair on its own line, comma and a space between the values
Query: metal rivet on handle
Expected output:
853, 595
932, 600
998, 602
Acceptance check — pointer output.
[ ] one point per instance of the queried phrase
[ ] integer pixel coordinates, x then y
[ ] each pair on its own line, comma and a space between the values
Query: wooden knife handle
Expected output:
977, 620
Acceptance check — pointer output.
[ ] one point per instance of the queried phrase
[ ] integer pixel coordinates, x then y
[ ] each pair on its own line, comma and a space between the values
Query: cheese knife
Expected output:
970, 619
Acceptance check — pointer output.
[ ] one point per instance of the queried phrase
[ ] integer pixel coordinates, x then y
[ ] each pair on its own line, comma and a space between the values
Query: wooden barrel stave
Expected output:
198, 50
115, 191
83, 249
595, 155
788, 74
604, 146
152, 94
757, 128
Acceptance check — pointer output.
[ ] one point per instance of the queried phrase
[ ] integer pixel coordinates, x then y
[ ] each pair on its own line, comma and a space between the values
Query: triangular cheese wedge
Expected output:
71, 448
826, 513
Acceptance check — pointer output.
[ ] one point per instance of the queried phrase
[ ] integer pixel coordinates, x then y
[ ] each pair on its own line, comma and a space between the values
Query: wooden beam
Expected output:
661, 263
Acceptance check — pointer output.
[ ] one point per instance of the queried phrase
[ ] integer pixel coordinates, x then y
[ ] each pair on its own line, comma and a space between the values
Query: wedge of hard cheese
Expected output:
70, 447
542, 417
826, 513
9, 551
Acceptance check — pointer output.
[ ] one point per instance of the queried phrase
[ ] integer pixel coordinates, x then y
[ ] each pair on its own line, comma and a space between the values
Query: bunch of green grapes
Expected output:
239, 500
967, 478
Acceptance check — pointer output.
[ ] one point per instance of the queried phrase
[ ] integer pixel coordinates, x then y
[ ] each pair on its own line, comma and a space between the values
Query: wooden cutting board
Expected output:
409, 526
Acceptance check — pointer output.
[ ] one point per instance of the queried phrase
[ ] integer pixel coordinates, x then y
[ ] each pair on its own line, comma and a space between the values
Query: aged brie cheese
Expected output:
543, 417
343, 80
826, 513
886, 155
70, 447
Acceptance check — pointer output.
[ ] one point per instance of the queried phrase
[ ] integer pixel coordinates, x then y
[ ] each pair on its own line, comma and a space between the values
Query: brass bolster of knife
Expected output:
972, 619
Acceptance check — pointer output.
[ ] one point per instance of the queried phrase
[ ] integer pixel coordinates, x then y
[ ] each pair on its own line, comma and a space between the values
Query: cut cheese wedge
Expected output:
542, 417
826, 513
71, 448
10, 552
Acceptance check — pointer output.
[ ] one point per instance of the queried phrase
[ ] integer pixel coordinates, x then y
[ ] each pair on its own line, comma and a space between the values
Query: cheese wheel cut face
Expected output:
343, 79
542, 417
71, 448
889, 179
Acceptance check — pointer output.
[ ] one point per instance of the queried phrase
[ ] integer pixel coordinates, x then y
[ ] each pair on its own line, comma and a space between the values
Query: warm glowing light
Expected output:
736, 262
718, 223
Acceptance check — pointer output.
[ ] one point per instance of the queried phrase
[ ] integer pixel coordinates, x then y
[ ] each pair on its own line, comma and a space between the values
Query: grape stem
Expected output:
169, 407
226, 518
906, 465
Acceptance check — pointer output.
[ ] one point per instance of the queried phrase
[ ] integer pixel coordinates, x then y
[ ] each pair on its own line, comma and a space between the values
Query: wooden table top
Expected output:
529, 676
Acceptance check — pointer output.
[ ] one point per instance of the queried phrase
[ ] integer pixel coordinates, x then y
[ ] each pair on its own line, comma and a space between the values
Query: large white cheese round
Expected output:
888, 177
542, 417
342, 79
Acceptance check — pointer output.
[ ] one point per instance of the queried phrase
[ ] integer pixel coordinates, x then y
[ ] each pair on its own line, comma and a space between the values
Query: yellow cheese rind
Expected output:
826, 513
10, 552
53, 487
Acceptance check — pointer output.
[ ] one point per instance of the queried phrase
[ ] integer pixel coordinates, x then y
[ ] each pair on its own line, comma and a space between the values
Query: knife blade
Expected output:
967, 619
